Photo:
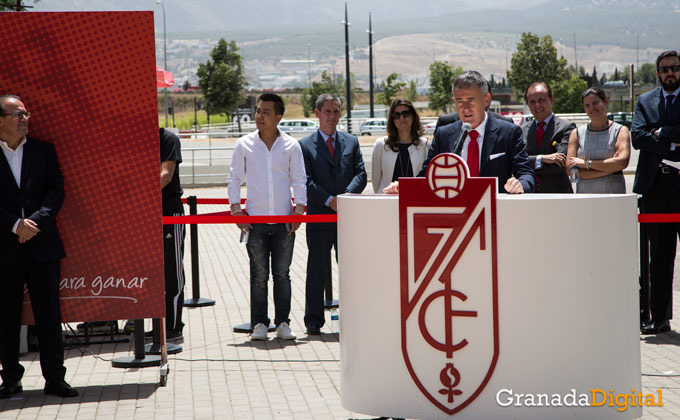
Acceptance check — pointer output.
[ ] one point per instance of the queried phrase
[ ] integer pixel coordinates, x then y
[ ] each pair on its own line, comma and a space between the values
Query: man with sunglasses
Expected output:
32, 191
656, 133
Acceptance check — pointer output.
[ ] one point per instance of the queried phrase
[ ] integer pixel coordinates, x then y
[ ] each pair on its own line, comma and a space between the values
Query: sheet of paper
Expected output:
672, 163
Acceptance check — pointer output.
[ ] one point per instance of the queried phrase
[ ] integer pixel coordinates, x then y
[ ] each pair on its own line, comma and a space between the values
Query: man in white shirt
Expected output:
270, 162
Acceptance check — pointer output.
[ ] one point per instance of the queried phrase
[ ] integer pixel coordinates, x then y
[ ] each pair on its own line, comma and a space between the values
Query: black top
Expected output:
171, 150
402, 167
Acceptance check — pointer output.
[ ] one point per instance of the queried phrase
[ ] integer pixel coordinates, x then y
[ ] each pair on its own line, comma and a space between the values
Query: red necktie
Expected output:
330, 148
473, 153
539, 134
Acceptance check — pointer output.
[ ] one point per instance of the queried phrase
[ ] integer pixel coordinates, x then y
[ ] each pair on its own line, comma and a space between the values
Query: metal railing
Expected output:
209, 165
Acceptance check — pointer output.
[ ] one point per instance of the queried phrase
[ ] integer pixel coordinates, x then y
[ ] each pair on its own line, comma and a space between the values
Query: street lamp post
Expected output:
348, 81
370, 64
165, 59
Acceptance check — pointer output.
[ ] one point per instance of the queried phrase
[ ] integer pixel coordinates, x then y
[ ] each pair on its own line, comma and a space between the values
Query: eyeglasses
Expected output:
664, 69
398, 115
18, 114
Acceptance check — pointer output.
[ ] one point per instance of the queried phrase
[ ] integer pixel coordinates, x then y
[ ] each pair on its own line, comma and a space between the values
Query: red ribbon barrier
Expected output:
659, 218
226, 217
212, 201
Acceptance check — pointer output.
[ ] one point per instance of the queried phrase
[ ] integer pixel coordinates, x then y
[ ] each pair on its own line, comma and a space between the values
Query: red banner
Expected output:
88, 80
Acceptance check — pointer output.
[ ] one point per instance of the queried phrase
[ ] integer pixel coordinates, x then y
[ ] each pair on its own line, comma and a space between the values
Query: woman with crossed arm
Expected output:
600, 149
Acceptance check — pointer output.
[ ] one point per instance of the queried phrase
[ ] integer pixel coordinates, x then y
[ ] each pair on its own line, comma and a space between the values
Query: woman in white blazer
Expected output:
402, 151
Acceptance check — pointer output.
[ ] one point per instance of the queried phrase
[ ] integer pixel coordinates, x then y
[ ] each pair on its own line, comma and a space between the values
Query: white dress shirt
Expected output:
480, 140
269, 174
14, 159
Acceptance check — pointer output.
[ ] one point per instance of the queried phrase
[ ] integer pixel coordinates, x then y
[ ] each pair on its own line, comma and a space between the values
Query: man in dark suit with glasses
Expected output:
32, 191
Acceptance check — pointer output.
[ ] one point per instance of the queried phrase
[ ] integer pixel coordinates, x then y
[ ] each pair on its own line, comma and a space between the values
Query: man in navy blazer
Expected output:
334, 166
656, 133
32, 192
497, 149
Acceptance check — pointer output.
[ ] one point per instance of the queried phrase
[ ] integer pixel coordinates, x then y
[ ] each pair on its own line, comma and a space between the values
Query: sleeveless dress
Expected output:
599, 145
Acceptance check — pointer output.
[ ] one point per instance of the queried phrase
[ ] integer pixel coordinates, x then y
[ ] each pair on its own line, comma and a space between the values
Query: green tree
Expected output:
390, 89
442, 75
568, 95
647, 73
221, 78
11, 5
412, 91
625, 76
535, 60
596, 81
326, 85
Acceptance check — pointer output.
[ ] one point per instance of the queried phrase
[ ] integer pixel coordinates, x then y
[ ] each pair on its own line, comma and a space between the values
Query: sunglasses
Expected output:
398, 115
664, 69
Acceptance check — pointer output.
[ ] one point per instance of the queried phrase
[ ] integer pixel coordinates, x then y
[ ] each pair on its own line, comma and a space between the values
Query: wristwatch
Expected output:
588, 163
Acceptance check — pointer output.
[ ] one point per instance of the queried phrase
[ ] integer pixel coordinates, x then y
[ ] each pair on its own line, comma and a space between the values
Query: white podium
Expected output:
567, 309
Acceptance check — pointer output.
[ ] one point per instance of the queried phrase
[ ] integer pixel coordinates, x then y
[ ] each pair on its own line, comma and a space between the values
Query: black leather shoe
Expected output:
9, 389
656, 327
173, 335
313, 331
60, 389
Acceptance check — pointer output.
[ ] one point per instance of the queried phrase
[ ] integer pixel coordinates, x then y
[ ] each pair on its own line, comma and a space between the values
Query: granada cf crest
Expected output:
449, 290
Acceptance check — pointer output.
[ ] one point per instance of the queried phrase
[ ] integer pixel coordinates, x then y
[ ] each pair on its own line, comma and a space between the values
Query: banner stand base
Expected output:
198, 302
156, 348
132, 362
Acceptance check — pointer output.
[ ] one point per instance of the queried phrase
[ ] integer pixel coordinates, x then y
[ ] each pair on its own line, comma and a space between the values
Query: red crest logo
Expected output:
449, 281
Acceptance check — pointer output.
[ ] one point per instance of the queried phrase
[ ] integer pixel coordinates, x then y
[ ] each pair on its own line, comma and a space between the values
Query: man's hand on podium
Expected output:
393, 188
513, 186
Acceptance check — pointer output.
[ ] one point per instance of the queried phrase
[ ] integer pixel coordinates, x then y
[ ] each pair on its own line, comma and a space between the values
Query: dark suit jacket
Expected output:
650, 114
327, 177
551, 178
451, 118
503, 141
41, 196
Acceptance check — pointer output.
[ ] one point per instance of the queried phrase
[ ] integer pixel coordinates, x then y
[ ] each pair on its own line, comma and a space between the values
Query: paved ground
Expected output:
221, 375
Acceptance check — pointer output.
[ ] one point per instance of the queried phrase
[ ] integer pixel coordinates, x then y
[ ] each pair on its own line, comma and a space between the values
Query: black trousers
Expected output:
173, 254
320, 242
664, 197
42, 280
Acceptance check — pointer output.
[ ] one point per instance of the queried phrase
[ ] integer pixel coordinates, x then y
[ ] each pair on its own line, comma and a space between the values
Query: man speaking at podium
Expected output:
491, 147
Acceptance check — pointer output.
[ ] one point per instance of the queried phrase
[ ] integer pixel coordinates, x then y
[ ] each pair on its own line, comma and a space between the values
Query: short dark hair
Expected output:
594, 91
325, 97
4, 98
471, 79
392, 140
526, 92
279, 107
669, 53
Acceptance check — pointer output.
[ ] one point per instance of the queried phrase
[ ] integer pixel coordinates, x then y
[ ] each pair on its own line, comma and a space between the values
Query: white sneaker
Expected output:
284, 332
259, 332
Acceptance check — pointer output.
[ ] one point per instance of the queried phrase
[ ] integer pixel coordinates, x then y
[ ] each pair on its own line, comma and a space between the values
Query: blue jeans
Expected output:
264, 241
